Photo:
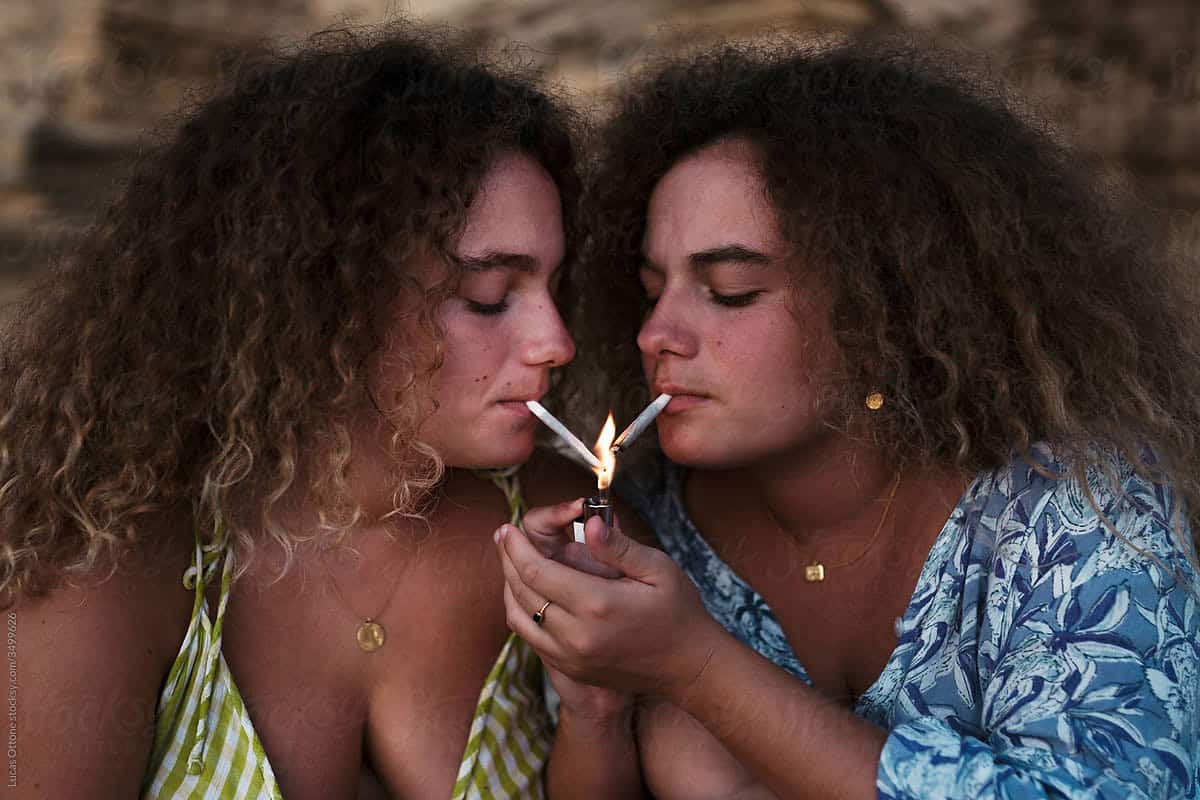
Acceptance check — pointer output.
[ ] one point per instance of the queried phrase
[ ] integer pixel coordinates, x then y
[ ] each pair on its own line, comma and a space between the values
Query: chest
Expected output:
841, 629
331, 717
843, 643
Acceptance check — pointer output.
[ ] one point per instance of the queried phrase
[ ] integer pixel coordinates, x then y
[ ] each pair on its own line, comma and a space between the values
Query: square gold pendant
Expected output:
814, 573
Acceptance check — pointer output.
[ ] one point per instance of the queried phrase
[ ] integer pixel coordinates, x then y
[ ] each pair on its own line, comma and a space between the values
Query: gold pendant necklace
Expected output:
369, 635
815, 572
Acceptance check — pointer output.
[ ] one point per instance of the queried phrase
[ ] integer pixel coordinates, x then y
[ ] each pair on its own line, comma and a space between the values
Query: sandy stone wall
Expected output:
80, 80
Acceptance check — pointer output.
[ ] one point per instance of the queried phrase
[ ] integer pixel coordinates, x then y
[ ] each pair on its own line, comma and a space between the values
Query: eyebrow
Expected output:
730, 253
725, 254
499, 260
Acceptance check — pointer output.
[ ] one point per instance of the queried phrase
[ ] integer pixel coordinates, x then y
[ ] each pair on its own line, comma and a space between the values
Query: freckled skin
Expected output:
773, 486
518, 211
328, 714
759, 364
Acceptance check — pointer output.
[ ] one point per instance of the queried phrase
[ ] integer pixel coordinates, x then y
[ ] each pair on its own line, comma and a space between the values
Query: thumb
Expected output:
612, 547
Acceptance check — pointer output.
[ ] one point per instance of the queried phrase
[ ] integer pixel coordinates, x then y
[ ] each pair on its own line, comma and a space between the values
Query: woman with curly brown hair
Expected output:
273, 370
931, 459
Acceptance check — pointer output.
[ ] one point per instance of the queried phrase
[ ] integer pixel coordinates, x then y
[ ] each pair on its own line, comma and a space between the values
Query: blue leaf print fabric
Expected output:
1040, 655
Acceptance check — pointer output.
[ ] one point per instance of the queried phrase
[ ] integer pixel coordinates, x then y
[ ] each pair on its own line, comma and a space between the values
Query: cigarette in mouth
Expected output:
642, 422
571, 439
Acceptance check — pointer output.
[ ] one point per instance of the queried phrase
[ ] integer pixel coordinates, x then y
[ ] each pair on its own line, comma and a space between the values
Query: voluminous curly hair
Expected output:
993, 284
206, 346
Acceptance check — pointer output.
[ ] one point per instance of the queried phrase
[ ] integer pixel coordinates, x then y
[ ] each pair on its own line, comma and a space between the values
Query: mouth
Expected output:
516, 405
682, 397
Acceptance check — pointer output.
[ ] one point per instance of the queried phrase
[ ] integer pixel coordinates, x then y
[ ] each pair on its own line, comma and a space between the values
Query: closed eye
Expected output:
488, 309
734, 300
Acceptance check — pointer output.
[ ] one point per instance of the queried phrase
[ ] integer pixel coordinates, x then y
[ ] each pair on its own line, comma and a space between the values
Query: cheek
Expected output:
770, 371
471, 354
752, 353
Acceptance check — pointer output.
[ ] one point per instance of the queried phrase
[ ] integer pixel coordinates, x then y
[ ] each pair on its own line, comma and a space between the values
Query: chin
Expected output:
504, 452
483, 444
701, 447
692, 449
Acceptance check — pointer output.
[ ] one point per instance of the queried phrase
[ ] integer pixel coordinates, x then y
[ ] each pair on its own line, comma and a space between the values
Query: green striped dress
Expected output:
205, 746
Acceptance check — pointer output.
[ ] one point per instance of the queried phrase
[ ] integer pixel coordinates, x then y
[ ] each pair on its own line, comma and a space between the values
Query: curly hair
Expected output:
996, 286
206, 345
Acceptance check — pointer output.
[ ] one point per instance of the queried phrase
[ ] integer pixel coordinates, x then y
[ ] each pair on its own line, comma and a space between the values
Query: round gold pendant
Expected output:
370, 636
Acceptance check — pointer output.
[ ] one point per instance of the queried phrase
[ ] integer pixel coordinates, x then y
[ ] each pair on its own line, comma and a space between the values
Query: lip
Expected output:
682, 402
682, 398
675, 389
516, 407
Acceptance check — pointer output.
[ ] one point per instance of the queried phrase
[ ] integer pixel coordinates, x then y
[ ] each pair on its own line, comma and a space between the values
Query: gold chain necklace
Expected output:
815, 572
370, 634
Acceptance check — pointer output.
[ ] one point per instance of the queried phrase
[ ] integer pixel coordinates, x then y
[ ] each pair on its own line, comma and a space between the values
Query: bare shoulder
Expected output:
86, 663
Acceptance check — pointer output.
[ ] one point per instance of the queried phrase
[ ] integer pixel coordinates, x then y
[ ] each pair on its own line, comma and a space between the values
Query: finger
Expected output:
567, 587
528, 600
550, 520
609, 545
549, 545
576, 556
549, 527
522, 624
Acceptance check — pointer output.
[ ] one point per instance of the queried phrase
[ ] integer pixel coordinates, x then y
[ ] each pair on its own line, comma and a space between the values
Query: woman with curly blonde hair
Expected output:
275, 369
929, 477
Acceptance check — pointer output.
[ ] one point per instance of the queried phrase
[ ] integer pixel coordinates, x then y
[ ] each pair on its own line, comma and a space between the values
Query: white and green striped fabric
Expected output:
205, 746
512, 731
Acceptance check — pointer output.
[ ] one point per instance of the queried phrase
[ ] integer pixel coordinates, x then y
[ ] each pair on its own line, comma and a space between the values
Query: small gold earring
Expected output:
875, 401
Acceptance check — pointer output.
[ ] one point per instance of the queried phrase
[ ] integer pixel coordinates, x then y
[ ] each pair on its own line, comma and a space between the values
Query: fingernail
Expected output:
498, 535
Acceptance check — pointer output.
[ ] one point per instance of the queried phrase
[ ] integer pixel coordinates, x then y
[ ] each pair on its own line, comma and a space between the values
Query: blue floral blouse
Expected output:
1040, 655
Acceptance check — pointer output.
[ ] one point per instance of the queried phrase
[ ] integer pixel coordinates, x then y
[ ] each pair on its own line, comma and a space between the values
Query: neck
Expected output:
370, 477
373, 472
834, 485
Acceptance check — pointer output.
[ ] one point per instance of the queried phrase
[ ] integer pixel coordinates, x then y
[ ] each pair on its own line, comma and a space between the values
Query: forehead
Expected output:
707, 200
515, 210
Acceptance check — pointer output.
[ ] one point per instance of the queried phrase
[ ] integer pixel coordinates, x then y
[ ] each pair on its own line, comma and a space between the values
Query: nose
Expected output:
547, 343
667, 331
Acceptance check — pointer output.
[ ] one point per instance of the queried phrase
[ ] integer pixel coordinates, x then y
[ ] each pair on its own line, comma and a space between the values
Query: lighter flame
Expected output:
603, 450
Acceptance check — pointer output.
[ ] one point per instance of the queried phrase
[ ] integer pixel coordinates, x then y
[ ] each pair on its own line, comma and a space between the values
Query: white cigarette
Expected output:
642, 422
553, 424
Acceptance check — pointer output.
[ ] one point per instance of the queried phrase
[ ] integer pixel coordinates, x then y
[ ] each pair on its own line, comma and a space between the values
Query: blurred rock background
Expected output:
82, 80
